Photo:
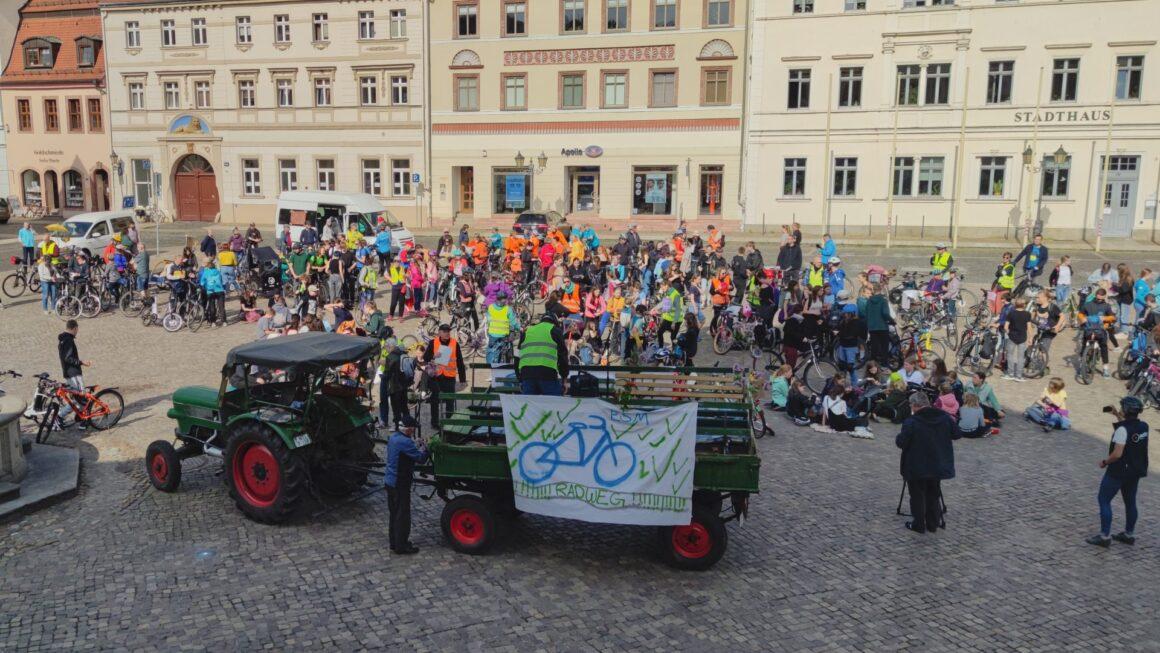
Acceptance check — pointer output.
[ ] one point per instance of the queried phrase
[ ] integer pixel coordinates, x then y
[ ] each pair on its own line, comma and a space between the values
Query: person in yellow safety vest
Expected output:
753, 291
542, 358
816, 274
941, 260
673, 305
501, 321
1005, 274
444, 353
50, 250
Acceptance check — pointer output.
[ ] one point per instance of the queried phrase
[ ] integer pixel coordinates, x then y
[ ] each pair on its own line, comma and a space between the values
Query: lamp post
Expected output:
532, 168
1057, 162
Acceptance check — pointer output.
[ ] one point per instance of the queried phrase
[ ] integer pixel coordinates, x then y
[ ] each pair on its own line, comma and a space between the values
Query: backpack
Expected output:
987, 345
1053, 278
407, 366
584, 384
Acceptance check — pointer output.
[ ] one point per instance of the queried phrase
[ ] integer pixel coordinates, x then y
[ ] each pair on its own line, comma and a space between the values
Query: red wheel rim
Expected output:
466, 527
256, 474
159, 468
692, 541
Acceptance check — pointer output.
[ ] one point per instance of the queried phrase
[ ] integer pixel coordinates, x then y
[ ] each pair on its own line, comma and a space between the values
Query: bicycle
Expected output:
977, 350
1035, 358
77, 299
1146, 386
755, 387
97, 407
1073, 306
539, 460
34, 211
1134, 355
1026, 286
813, 367
24, 277
1088, 359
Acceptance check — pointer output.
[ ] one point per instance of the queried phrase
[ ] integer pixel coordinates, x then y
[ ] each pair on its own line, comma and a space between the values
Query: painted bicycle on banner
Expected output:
612, 462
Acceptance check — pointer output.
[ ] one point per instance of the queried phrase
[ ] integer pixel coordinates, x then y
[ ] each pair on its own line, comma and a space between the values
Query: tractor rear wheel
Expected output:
469, 524
163, 466
339, 468
695, 547
267, 480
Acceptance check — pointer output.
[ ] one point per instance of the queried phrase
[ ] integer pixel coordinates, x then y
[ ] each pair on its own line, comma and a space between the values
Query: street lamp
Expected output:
520, 159
115, 163
542, 160
1058, 161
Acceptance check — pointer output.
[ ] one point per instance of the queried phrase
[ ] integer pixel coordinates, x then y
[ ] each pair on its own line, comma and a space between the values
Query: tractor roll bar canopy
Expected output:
313, 350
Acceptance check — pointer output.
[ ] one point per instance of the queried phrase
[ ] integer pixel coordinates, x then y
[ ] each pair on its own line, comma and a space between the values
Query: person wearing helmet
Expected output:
501, 320
542, 358
941, 259
1124, 466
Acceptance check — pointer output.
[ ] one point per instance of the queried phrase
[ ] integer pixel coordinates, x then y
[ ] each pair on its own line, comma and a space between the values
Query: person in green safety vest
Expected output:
941, 259
501, 321
1004, 274
816, 273
542, 358
672, 311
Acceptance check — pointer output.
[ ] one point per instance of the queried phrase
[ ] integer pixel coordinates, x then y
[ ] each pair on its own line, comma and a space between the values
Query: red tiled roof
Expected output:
589, 126
64, 20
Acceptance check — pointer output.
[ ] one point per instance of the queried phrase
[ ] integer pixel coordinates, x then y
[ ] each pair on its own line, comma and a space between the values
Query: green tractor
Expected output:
290, 421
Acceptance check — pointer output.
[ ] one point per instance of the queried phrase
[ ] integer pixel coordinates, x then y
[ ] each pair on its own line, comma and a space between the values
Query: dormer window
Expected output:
87, 51
39, 52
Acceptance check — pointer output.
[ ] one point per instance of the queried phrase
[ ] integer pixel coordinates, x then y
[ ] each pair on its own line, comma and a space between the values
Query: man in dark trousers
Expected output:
444, 352
402, 456
542, 358
71, 365
1034, 256
789, 259
1124, 466
928, 458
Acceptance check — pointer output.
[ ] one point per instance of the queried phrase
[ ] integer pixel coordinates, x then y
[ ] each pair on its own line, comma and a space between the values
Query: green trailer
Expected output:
469, 465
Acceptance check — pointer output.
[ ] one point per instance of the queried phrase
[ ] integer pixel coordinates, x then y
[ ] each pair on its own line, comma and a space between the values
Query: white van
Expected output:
298, 208
93, 231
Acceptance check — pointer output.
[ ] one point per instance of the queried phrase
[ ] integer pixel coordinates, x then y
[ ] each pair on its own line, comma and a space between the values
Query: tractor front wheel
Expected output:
267, 481
163, 466
695, 547
469, 524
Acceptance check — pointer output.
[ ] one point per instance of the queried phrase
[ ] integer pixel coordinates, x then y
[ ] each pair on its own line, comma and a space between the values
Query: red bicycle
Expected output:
94, 406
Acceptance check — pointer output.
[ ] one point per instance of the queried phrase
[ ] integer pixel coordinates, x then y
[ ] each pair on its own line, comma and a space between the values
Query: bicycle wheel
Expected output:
194, 316
68, 307
723, 341
524, 314
1035, 363
468, 344
132, 303
172, 322
33, 283
147, 317
1127, 364
816, 373
429, 326
90, 305
409, 343
774, 360
1084, 371
14, 285
978, 315
965, 300
931, 349
106, 409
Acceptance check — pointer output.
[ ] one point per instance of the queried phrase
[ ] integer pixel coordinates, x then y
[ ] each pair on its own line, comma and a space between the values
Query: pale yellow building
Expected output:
218, 107
607, 111
960, 93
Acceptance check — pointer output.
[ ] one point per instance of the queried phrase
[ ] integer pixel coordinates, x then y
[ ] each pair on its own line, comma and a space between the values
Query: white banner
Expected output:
587, 459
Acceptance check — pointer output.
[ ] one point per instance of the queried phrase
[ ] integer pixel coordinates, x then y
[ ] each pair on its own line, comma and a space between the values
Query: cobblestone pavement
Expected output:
822, 564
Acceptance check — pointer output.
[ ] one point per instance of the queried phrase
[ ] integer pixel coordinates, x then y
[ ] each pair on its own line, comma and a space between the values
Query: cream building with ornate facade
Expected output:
218, 107
961, 94
603, 110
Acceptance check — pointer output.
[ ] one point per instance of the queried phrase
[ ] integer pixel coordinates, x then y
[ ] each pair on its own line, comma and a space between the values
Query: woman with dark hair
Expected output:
689, 338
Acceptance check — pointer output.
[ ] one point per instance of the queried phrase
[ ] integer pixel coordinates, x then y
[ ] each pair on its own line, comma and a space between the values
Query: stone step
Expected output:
9, 492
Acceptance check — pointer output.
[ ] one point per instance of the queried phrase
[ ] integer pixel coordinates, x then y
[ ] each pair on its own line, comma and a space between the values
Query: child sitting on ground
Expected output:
946, 400
894, 406
779, 387
1050, 410
799, 403
971, 422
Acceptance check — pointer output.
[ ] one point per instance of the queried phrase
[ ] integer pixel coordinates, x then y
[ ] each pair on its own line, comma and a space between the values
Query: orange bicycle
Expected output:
94, 406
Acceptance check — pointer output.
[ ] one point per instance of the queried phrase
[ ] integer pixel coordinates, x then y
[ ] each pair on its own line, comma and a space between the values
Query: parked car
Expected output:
5, 211
93, 231
536, 222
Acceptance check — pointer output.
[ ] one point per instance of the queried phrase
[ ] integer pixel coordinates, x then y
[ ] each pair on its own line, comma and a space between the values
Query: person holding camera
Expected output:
928, 458
1124, 466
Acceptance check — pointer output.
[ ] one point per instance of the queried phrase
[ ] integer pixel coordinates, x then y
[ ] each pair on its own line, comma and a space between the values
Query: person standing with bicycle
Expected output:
501, 320
71, 365
27, 243
1034, 257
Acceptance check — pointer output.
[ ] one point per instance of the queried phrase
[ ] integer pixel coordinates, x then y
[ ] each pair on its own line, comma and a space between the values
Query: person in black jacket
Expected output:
71, 365
1124, 466
753, 259
789, 259
740, 269
393, 384
928, 458
1034, 256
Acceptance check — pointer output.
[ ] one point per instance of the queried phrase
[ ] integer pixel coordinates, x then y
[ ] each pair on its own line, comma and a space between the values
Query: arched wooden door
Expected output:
101, 198
195, 190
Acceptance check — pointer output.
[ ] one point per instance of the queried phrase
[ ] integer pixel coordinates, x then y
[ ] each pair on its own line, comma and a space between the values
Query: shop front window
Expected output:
712, 178
31, 183
513, 189
74, 192
652, 190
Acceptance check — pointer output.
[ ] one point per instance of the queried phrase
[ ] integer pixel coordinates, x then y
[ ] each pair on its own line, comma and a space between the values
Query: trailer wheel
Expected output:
163, 466
695, 547
267, 481
469, 524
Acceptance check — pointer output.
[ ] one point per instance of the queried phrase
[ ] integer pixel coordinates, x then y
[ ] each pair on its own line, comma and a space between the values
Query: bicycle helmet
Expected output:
1131, 406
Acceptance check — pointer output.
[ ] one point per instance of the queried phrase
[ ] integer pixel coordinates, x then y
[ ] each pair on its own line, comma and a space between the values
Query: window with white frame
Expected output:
902, 176
282, 28
573, 17
572, 91
1064, 80
845, 176
325, 174
992, 175
615, 90
368, 86
850, 86
244, 30
198, 33
168, 33
366, 24
794, 177
924, 3
799, 88
251, 177
321, 28
938, 83
855, 5
372, 175
400, 177
515, 92
202, 95
615, 15
288, 174
398, 23
142, 171
285, 87
909, 78
1129, 76
1055, 177
322, 92
132, 34
400, 90
467, 93
466, 21
246, 94
719, 13
1000, 76
664, 14
172, 95
803, 6
515, 18
930, 176
136, 96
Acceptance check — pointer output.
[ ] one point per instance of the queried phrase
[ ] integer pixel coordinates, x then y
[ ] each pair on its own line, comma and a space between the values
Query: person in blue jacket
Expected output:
402, 456
1034, 257
210, 278
828, 249
383, 248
